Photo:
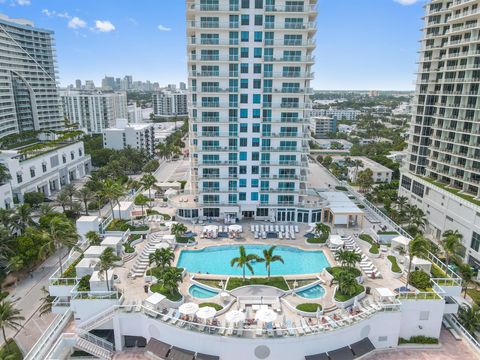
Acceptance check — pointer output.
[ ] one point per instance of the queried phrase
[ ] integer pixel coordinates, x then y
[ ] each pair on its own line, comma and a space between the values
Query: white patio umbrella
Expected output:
188, 308
169, 224
235, 316
213, 228
206, 312
235, 227
266, 315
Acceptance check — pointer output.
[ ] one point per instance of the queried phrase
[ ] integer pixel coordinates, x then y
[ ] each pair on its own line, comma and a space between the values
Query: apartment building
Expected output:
137, 136
170, 103
322, 126
381, 174
135, 114
338, 114
45, 171
29, 96
442, 169
250, 66
94, 111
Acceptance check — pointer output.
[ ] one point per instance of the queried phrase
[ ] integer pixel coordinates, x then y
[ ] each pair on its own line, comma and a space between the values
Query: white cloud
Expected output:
104, 26
76, 23
23, 2
52, 13
163, 28
406, 2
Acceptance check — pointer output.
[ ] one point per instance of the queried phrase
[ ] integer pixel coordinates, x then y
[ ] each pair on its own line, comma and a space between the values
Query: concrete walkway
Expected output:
257, 290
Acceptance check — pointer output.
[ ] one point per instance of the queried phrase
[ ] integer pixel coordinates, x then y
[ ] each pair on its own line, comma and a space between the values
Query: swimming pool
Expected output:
313, 292
200, 292
216, 260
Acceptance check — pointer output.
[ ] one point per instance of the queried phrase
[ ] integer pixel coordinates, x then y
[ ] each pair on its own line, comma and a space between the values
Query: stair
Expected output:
93, 349
97, 320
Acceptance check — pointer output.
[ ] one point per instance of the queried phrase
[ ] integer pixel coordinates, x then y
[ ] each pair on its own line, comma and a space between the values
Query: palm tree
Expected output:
7, 218
107, 259
170, 279
46, 301
162, 258
347, 283
23, 217
7, 242
69, 189
244, 261
86, 196
147, 181
348, 258
60, 232
45, 209
9, 319
269, 258
401, 202
4, 174
321, 229
76, 208
63, 199
469, 317
357, 164
418, 247
178, 229
451, 244
112, 190
93, 237
418, 219
467, 275
141, 200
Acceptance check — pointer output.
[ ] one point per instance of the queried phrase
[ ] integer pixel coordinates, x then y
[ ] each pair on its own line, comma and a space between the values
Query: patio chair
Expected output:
270, 330
252, 228
290, 329
282, 228
305, 326
230, 328
280, 235
255, 235
296, 229
221, 329
277, 228
259, 331
240, 329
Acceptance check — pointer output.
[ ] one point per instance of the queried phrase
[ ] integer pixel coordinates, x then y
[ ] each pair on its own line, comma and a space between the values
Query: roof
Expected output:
111, 240
124, 205
96, 277
339, 203
155, 298
94, 250
89, 218
87, 263
401, 240
385, 292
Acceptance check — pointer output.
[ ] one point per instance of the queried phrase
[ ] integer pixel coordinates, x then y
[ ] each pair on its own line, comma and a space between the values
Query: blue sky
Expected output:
361, 44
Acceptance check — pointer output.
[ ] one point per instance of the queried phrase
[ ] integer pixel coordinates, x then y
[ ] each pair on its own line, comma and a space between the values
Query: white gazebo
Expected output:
420, 264
400, 242
153, 301
384, 295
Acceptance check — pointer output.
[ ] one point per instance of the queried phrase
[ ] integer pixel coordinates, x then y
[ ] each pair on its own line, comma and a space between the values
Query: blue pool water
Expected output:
216, 260
313, 292
200, 292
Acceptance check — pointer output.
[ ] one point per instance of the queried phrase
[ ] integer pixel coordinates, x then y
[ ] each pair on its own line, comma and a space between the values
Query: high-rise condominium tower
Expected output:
28, 95
250, 65
442, 174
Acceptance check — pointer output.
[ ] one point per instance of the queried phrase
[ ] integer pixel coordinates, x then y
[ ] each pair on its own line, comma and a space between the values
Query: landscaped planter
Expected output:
387, 237
374, 256
395, 275
169, 303
350, 301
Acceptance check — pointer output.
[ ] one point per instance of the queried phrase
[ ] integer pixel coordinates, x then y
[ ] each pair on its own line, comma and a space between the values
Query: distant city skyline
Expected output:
361, 45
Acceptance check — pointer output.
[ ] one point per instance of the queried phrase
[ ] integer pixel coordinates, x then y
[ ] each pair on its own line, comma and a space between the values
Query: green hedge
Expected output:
84, 283
341, 297
394, 265
420, 280
157, 288
475, 295
13, 354
317, 240
418, 340
217, 307
387, 233
374, 249
123, 225
337, 269
367, 238
341, 188
309, 307
278, 282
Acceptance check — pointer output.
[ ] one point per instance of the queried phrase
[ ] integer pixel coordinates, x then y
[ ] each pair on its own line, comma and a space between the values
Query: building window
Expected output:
245, 20
64, 158
254, 196
418, 189
44, 167
406, 182
475, 244
242, 196
19, 178
32, 172
424, 315
262, 211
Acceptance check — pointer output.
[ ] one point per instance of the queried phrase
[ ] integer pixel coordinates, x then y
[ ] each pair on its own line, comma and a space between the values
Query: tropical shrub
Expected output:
419, 279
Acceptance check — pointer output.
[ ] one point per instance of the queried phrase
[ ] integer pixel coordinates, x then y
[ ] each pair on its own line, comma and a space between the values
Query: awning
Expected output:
201, 356
362, 347
157, 348
322, 356
180, 354
341, 354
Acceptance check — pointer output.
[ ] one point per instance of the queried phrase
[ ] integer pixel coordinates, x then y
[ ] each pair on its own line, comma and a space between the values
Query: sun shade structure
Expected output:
180, 354
157, 348
362, 347
266, 315
206, 312
322, 356
201, 356
344, 353
188, 308
235, 316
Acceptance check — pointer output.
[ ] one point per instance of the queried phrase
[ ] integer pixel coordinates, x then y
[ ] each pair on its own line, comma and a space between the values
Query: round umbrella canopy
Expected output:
206, 312
235, 316
210, 228
266, 315
235, 227
224, 294
169, 224
188, 308
171, 192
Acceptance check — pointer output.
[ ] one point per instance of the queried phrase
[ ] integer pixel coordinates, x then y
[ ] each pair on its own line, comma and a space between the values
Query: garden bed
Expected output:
317, 240
211, 283
124, 225
344, 298
216, 306
334, 271
278, 282
157, 288
309, 307
300, 283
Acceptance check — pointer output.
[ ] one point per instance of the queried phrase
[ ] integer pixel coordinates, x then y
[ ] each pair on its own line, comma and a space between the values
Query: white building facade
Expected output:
137, 136
339, 114
322, 126
170, 103
444, 144
135, 114
94, 111
249, 79
29, 96
47, 172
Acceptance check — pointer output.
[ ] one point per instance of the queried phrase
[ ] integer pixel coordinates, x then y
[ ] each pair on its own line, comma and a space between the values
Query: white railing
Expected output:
459, 327
98, 341
46, 341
